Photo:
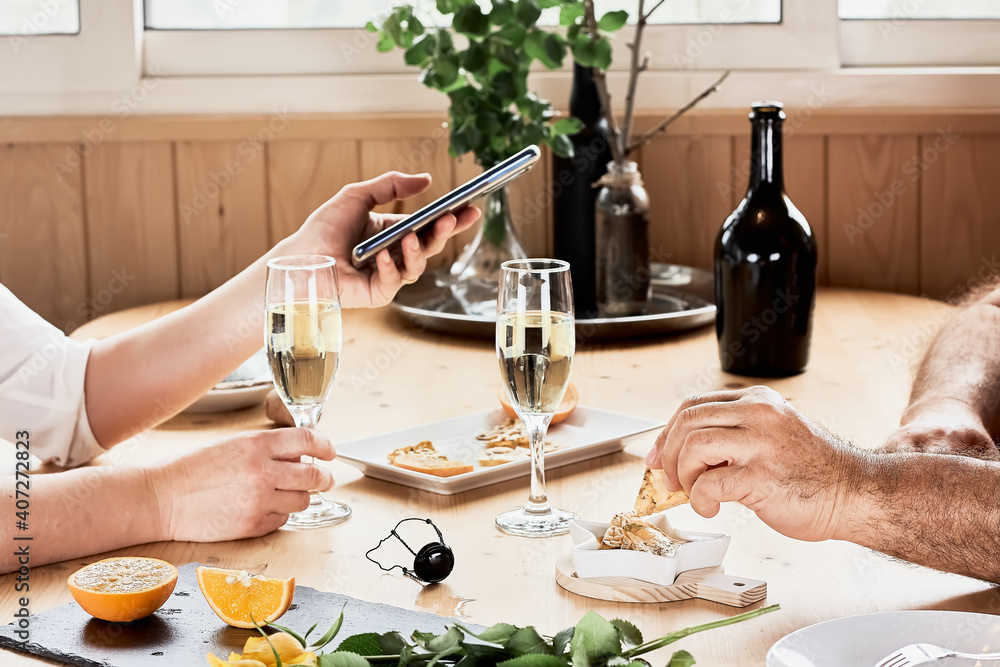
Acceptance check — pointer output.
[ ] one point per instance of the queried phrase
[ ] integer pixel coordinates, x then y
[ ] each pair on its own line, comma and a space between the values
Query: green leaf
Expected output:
502, 12
363, 644
445, 71
297, 636
391, 643
421, 50
681, 659
630, 634
470, 20
439, 643
555, 49
332, 632
385, 43
561, 640
591, 53
572, 125
496, 634
370, 27
528, 12
512, 34
527, 640
561, 145
309, 632
570, 13
535, 660
594, 638
488, 654
405, 656
445, 6
545, 4
504, 86
536, 45
612, 21
342, 659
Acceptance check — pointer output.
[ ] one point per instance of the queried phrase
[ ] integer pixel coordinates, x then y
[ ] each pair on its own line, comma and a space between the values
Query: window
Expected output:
919, 9
919, 32
203, 37
30, 17
283, 14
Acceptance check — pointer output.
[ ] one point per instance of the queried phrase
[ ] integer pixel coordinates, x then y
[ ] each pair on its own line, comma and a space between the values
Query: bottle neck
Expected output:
584, 101
766, 170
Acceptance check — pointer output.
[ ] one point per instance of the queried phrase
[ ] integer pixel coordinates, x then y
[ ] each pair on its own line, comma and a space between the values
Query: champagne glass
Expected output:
535, 345
303, 337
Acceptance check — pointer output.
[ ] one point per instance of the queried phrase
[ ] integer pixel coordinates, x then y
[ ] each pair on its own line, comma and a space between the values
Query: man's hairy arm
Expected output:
934, 510
954, 405
753, 447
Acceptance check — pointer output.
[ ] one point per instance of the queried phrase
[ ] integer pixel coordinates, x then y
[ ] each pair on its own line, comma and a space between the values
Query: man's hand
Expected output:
346, 219
752, 447
945, 427
245, 486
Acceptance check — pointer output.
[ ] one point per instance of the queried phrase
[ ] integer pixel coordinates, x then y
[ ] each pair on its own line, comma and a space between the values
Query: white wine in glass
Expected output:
536, 340
303, 334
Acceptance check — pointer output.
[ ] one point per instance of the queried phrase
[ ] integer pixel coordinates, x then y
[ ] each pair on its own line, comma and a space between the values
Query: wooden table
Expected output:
864, 347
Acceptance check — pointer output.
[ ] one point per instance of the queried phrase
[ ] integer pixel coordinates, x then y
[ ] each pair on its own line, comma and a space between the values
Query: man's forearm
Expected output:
934, 510
146, 375
962, 368
82, 512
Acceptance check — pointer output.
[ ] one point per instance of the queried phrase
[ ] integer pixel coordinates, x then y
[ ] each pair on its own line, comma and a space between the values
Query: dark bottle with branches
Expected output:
574, 193
765, 266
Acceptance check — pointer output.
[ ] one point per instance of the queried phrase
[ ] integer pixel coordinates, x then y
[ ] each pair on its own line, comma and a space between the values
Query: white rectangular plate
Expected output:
587, 433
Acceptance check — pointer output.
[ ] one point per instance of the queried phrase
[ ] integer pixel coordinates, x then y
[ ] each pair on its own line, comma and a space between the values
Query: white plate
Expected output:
247, 385
590, 561
587, 433
861, 641
224, 400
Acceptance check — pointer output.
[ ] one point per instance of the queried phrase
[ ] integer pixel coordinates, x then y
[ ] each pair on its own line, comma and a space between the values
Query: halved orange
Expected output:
123, 589
565, 409
240, 598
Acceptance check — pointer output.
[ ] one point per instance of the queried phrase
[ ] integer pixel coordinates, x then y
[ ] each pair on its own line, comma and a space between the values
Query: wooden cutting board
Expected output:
185, 628
710, 583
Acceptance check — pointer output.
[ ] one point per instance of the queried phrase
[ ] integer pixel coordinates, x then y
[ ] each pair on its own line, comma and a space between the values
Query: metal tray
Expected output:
682, 299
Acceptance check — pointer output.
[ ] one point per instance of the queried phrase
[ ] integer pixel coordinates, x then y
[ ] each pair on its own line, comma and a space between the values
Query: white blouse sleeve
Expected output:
41, 386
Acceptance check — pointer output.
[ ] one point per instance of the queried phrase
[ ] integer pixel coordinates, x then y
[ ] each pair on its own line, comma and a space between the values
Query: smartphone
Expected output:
482, 185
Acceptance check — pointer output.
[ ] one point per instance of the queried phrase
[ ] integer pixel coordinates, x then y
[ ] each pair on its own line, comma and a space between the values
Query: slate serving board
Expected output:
185, 628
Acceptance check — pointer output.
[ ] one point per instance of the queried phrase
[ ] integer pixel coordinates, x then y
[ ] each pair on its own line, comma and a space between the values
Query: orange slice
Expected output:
123, 589
240, 598
565, 409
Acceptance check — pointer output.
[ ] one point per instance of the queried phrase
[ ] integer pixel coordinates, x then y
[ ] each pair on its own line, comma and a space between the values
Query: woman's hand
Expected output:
346, 219
244, 486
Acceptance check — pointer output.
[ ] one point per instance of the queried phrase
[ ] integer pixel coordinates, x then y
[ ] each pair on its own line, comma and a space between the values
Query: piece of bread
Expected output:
655, 497
627, 531
422, 457
496, 456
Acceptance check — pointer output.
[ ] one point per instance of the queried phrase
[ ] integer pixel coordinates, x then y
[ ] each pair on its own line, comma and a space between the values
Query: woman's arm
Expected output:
236, 488
955, 401
144, 376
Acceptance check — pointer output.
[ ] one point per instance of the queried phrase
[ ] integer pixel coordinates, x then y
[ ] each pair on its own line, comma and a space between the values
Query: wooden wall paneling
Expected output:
43, 256
960, 213
301, 175
132, 230
873, 207
688, 182
221, 211
421, 154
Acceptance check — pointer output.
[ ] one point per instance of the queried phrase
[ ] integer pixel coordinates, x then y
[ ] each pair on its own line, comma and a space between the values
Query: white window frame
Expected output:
104, 55
806, 38
811, 57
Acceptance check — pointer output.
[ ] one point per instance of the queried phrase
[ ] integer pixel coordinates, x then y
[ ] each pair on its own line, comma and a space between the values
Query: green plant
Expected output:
592, 642
480, 60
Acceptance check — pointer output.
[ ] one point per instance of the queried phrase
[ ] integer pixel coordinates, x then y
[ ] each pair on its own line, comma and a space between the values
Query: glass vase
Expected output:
475, 275
622, 233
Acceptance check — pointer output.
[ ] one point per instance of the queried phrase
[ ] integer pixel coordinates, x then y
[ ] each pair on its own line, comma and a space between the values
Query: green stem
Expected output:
680, 634
495, 218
